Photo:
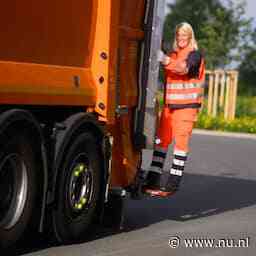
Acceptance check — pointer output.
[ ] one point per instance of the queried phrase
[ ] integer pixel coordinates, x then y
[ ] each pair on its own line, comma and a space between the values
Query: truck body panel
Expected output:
36, 84
48, 32
55, 48
61, 59
84, 54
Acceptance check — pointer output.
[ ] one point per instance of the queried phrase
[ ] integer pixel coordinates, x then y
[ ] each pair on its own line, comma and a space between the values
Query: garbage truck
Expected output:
78, 110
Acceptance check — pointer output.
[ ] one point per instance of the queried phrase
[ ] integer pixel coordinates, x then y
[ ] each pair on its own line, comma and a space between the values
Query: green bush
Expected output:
243, 124
245, 120
246, 106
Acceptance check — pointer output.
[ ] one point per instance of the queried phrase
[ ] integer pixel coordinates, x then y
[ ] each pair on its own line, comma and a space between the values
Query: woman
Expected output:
184, 73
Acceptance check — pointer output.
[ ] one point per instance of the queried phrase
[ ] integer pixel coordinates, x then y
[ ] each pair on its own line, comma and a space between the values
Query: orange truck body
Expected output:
54, 53
78, 112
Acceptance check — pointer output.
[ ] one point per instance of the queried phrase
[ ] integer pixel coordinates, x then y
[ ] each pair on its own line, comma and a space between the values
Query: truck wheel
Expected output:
17, 188
78, 190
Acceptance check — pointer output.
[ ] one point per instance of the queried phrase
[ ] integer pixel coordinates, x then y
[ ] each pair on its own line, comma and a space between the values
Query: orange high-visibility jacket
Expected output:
183, 91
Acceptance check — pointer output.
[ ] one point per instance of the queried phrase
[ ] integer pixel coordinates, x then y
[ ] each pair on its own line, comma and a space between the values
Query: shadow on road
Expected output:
200, 196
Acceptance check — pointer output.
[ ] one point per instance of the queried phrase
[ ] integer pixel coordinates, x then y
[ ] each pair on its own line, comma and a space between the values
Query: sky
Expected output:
250, 8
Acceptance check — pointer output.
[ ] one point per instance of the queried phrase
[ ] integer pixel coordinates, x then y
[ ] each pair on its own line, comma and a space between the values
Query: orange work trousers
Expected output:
177, 125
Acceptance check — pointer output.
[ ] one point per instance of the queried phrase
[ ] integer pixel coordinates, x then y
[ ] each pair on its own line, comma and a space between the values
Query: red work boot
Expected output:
153, 186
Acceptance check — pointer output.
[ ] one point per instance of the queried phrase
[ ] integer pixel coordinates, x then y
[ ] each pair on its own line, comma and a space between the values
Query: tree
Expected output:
247, 68
218, 28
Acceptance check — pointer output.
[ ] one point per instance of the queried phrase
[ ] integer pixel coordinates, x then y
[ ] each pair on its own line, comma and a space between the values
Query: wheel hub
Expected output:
80, 187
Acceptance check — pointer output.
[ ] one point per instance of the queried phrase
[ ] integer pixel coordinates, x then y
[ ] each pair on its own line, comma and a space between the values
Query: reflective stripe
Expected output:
182, 158
157, 164
178, 162
185, 96
155, 169
184, 85
158, 159
159, 154
180, 153
176, 172
160, 149
185, 105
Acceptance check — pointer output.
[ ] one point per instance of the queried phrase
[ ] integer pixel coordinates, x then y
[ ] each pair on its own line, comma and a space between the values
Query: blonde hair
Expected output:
186, 28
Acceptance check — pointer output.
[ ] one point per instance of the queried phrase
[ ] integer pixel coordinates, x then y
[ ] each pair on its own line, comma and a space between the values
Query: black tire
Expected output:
17, 177
76, 203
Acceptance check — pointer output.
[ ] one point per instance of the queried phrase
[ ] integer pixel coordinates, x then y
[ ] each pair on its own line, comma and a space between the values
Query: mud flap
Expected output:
115, 209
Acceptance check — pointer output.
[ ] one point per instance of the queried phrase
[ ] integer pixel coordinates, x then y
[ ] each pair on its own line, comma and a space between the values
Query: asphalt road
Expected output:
217, 200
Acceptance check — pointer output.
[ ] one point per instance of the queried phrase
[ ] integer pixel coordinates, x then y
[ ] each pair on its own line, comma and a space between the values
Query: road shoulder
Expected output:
224, 134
